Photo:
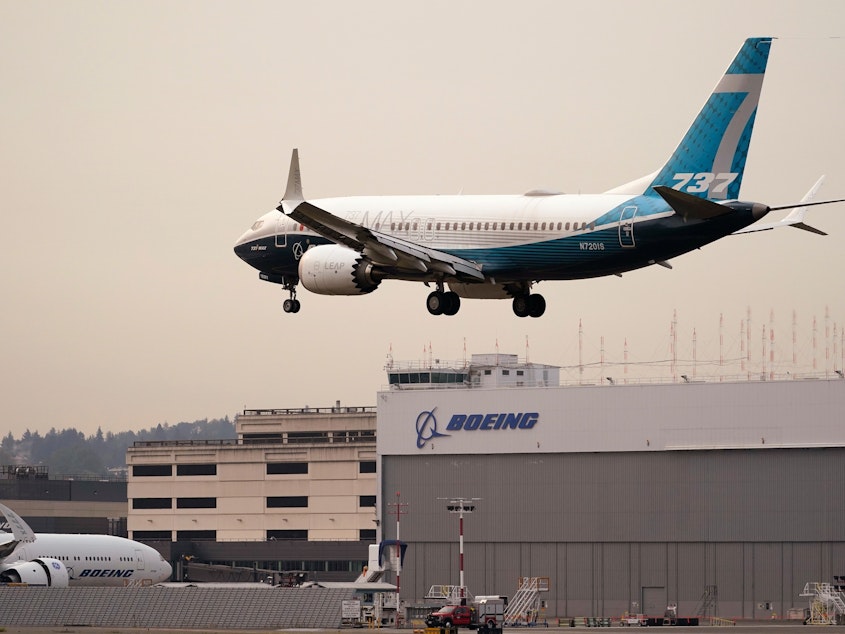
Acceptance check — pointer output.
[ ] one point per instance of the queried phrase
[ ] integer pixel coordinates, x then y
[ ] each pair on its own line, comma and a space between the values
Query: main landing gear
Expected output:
440, 303
290, 305
525, 305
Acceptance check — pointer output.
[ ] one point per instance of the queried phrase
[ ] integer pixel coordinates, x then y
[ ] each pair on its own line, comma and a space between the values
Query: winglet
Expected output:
795, 218
293, 192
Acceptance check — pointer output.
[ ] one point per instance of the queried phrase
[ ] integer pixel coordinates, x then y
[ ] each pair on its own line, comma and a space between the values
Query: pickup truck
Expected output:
469, 616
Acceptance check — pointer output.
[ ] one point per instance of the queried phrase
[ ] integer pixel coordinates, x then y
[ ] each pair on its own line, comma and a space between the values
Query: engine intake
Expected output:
331, 269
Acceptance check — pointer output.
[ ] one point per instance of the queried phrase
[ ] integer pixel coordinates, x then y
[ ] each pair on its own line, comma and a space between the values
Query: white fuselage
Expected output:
94, 560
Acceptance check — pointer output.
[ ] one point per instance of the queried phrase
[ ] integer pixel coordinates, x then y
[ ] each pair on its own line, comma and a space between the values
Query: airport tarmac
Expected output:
752, 627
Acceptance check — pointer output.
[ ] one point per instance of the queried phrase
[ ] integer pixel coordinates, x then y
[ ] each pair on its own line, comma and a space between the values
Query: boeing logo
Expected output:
427, 423
427, 428
105, 573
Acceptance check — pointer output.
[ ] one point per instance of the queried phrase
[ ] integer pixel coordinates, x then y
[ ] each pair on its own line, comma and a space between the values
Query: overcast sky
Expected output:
140, 139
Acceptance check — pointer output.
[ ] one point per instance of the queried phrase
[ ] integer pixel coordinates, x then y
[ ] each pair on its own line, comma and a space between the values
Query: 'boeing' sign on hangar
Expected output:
599, 418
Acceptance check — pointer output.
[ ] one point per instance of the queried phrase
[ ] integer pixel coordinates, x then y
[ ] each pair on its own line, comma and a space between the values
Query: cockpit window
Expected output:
257, 225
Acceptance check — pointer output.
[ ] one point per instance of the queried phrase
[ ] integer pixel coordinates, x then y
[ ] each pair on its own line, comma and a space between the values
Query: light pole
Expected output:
401, 509
461, 506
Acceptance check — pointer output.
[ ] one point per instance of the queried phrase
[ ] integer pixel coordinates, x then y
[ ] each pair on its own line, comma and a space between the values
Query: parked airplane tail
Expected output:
710, 159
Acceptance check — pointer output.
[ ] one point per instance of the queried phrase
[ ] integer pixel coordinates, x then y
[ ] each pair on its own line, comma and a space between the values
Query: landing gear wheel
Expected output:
536, 305
291, 305
436, 302
452, 303
520, 305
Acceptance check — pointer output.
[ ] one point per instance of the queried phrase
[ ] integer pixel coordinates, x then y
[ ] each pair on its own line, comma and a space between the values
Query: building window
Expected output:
308, 436
367, 466
190, 536
367, 534
287, 501
262, 438
367, 500
291, 534
196, 503
143, 470
506, 372
287, 468
196, 469
152, 503
151, 536
519, 372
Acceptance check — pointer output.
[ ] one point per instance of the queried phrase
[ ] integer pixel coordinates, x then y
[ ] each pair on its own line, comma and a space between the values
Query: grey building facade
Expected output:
627, 498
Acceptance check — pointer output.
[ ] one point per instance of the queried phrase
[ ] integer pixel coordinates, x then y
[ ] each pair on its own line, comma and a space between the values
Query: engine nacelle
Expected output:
43, 571
331, 269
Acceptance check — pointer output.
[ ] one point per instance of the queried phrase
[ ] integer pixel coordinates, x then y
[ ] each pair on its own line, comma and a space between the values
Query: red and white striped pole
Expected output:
461, 506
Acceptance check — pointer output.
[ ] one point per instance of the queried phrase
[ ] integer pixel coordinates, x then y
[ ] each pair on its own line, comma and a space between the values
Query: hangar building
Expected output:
626, 497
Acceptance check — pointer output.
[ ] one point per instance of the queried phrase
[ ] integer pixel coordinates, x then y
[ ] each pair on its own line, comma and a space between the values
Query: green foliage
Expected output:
69, 452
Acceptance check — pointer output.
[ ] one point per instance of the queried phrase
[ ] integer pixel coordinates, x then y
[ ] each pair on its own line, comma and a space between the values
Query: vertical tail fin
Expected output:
710, 160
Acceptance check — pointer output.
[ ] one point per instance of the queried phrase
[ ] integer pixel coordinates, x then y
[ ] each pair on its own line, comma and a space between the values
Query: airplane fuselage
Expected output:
95, 560
540, 237
497, 247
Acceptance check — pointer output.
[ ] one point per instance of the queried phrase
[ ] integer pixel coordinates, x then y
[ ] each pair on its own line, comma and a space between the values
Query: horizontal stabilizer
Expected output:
795, 218
690, 206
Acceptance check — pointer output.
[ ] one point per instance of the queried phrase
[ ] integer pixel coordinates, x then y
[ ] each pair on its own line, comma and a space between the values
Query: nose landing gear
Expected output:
290, 305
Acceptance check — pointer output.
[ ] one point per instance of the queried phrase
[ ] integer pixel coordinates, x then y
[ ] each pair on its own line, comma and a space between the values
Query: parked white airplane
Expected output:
498, 247
59, 560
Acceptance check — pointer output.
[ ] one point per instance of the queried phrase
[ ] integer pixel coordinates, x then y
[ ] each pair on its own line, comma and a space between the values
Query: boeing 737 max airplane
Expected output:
59, 560
499, 247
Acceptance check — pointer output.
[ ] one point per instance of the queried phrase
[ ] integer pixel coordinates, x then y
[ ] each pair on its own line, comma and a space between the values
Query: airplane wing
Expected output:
379, 247
21, 532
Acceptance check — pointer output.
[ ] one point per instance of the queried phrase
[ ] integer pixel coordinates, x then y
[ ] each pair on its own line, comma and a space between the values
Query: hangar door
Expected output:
654, 601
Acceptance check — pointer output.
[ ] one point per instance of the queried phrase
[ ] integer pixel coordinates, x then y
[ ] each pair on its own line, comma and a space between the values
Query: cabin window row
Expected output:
491, 226
81, 558
483, 226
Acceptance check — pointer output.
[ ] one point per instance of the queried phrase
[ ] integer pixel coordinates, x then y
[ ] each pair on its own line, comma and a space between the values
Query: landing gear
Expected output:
526, 305
440, 303
290, 305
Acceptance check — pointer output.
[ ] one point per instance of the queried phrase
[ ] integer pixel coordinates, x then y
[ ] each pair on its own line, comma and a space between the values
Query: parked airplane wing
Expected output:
21, 532
382, 249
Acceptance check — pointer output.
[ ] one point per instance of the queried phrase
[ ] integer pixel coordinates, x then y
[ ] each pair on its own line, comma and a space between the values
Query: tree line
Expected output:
70, 452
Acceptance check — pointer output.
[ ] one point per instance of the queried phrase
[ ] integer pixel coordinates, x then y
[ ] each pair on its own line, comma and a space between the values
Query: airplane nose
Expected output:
241, 250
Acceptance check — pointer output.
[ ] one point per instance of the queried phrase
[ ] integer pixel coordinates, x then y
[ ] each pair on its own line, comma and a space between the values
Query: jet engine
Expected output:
331, 269
43, 571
